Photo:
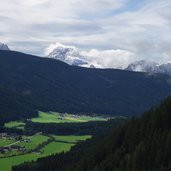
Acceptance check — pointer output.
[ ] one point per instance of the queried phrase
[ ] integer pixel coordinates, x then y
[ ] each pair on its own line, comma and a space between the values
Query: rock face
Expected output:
151, 67
4, 47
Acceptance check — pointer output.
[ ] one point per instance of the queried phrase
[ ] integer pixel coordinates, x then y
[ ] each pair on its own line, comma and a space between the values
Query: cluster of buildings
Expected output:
62, 116
4, 150
13, 147
11, 136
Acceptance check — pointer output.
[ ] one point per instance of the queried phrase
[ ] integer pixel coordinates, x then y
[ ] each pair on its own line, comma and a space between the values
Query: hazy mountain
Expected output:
4, 47
143, 66
165, 68
151, 67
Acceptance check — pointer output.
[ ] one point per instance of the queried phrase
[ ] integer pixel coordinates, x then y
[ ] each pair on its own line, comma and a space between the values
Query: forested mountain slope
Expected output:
29, 83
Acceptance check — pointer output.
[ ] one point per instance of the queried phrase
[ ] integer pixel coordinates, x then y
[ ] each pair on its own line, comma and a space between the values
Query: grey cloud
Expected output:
30, 25
67, 28
4, 18
28, 46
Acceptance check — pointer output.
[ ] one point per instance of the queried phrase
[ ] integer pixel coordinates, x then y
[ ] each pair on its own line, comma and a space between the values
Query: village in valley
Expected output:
9, 145
21, 142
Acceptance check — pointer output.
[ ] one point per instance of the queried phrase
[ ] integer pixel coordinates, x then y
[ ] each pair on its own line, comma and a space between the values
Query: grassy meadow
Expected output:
60, 144
53, 117
56, 145
71, 138
5, 142
15, 124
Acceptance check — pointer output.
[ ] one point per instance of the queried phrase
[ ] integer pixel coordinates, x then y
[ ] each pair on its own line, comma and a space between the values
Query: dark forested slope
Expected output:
29, 83
140, 145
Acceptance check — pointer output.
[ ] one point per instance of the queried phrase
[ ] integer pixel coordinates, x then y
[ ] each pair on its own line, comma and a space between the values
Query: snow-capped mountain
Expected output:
143, 66
72, 56
69, 55
151, 67
4, 47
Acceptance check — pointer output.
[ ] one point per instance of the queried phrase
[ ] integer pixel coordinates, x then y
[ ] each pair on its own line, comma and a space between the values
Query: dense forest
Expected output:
30, 83
82, 128
14, 106
141, 144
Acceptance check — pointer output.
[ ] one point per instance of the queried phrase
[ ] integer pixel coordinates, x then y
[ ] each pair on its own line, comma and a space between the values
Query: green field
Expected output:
35, 141
71, 138
5, 142
53, 117
54, 147
7, 163
51, 148
15, 124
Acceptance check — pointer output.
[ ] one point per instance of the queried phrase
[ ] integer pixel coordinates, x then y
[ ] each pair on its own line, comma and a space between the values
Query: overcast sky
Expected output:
119, 30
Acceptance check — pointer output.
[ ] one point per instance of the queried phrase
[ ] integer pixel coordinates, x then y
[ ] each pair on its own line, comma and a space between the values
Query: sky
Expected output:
118, 32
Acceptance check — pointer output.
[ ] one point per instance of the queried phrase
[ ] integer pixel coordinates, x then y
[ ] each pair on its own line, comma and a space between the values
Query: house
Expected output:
27, 140
3, 135
17, 148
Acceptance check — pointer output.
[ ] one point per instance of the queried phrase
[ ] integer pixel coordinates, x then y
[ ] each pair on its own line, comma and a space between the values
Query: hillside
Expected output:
30, 83
140, 145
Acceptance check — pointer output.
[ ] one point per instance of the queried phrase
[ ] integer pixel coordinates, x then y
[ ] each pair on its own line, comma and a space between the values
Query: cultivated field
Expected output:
53, 117
71, 138
59, 144
38, 145
15, 124
5, 142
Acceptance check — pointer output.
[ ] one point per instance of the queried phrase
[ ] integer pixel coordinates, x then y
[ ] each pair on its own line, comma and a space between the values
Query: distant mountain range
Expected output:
72, 56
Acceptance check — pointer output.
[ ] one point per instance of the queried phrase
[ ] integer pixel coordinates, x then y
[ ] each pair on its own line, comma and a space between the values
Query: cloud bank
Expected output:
125, 30
110, 58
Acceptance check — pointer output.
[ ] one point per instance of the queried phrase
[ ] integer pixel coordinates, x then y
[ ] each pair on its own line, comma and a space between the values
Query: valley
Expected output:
85, 85
33, 151
89, 104
19, 146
